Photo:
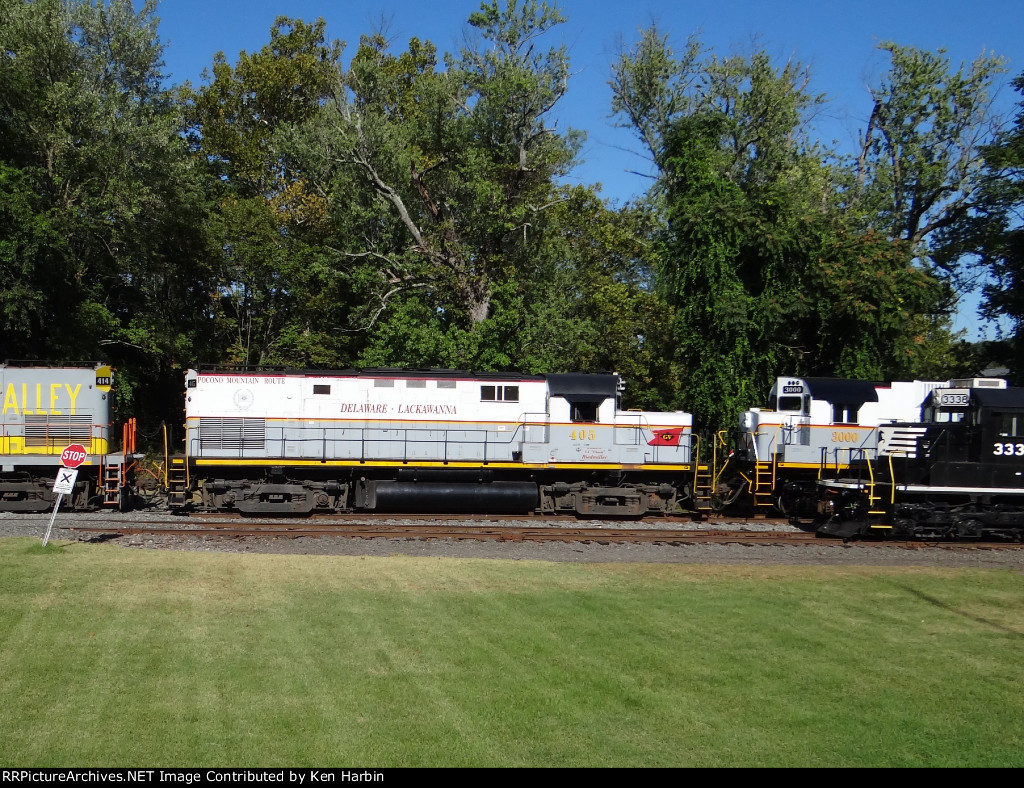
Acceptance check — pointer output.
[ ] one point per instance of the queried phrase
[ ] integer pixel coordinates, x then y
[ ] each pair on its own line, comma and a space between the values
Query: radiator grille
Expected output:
52, 431
234, 435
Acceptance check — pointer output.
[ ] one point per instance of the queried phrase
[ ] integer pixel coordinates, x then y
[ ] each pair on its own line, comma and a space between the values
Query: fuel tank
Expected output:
448, 497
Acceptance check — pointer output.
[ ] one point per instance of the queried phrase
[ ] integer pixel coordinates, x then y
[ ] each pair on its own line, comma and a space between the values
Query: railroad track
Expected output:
475, 533
508, 534
683, 530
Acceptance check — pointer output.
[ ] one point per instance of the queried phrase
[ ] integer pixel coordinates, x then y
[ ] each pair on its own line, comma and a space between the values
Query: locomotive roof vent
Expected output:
978, 383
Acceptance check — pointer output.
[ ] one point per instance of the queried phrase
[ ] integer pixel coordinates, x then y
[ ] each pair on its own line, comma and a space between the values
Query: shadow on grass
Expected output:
53, 548
949, 608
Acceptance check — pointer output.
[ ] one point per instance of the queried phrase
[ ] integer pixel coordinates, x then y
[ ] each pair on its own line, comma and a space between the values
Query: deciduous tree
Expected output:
277, 296
999, 237
439, 180
100, 203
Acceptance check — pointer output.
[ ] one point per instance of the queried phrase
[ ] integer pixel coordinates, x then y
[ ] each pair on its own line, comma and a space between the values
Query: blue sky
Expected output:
836, 40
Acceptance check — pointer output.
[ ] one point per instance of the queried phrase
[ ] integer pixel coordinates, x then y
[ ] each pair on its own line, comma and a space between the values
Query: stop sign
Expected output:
74, 455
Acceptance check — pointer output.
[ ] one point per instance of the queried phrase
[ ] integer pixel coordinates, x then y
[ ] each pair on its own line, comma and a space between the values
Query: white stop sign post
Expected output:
73, 456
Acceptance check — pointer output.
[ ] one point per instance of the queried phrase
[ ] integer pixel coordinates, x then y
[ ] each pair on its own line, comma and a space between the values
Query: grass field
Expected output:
115, 657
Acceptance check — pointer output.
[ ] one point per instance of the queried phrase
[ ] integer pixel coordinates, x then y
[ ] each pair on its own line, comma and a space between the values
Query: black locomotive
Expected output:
958, 473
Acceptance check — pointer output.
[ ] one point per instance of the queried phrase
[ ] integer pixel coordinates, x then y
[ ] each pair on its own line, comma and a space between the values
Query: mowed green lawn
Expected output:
116, 657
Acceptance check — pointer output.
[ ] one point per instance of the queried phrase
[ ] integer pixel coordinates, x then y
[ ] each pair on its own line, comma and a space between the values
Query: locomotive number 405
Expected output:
1008, 449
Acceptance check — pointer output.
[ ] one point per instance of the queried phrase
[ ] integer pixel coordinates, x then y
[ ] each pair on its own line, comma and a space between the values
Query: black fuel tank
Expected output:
449, 497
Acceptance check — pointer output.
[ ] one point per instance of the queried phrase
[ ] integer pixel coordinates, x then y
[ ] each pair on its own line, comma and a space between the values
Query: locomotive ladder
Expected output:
703, 484
177, 480
114, 475
111, 484
764, 483
705, 474
874, 498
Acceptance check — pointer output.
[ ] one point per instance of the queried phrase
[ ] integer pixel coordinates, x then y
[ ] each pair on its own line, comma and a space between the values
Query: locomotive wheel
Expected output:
971, 528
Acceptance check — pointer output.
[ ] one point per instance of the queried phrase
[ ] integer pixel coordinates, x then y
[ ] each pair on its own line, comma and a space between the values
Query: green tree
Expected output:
276, 292
100, 204
743, 191
778, 257
918, 180
999, 238
652, 88
917, 177
439, 181
587, 302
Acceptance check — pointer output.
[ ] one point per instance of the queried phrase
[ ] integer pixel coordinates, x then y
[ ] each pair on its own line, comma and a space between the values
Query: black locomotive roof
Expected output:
582, 387
998, 398
842, 392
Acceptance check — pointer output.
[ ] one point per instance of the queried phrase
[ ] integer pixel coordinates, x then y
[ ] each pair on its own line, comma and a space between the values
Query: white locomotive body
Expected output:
433, 440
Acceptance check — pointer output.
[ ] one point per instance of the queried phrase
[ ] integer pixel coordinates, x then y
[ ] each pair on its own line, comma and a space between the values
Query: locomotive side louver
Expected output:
231, 434
53, 430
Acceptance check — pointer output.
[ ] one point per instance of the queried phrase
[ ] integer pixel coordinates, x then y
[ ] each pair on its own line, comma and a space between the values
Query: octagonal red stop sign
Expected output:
74, 455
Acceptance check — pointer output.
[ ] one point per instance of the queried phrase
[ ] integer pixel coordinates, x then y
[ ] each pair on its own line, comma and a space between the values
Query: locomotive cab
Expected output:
826, 420
979, 441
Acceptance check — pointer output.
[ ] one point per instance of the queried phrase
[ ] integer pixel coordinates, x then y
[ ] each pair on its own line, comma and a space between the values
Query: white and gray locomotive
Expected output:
263, 442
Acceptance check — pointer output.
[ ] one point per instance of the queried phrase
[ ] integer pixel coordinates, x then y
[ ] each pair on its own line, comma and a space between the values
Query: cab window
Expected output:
1010, 425
583, 411
844, 414
791, 403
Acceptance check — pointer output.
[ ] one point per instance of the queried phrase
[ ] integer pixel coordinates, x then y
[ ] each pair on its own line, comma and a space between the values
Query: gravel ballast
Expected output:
820, 552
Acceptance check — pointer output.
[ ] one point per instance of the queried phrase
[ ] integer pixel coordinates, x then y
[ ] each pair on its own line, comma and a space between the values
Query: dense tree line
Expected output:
410, 208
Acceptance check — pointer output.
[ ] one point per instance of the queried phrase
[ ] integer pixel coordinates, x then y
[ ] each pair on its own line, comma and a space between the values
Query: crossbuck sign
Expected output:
65, 483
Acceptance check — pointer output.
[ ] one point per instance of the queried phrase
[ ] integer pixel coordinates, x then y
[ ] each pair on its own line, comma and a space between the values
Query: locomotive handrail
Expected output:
641, 423
773, 440
863, 456
836, 450
773, 444
719, 441
167, 456
238, 438
892, 475
320, 435
872, 497
54, 437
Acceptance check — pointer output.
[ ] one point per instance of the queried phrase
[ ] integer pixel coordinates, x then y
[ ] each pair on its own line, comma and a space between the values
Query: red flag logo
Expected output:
669, 437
